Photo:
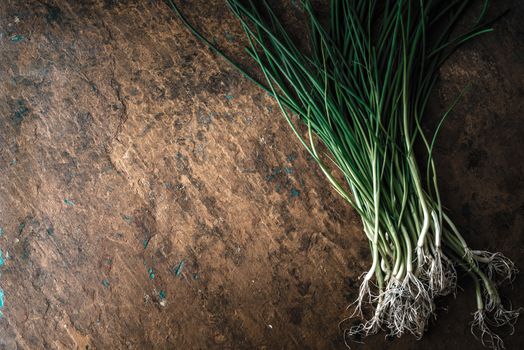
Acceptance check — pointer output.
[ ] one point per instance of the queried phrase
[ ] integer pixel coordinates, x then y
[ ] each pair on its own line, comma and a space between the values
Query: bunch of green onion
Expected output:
362, 89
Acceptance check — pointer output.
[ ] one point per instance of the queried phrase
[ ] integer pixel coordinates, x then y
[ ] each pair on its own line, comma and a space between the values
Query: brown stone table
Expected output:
152, 198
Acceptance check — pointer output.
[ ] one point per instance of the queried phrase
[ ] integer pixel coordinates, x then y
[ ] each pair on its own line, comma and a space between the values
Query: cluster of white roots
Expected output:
440, 275
480, 327
481, 331
493, 314
499, 268
406, 304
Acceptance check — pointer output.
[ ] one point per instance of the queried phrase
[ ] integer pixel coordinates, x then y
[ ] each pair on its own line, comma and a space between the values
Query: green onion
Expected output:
362, 89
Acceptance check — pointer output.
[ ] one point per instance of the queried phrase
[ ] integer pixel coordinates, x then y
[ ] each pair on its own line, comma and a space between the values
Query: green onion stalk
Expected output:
361, 89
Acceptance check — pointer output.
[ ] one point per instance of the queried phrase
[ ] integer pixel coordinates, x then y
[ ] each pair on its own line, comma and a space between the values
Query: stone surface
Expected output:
150, 197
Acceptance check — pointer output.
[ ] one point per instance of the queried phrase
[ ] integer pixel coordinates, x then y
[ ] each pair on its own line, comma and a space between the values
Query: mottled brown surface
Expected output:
125, 145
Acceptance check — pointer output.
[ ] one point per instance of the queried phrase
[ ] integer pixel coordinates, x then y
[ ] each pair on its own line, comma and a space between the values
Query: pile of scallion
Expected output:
361, 89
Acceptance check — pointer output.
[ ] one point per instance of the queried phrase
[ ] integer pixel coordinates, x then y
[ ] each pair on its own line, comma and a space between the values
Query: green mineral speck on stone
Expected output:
291, 157
16, 38
295, 192
21, 112
179, 268
229, 37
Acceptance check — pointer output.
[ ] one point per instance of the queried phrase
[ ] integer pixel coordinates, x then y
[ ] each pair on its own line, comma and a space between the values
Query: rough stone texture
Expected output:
126, 148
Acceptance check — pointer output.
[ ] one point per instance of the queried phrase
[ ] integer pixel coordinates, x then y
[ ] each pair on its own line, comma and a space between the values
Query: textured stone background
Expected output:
127, 148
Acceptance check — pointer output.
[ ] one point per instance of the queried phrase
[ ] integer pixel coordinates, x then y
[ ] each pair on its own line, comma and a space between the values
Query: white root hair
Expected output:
442, 275
481, 331
499, 267
415, 308
365, 296
403, 307
506, 317
371, 326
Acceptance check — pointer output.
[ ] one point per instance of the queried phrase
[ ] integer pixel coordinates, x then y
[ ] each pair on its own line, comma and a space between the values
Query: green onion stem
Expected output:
362, 89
